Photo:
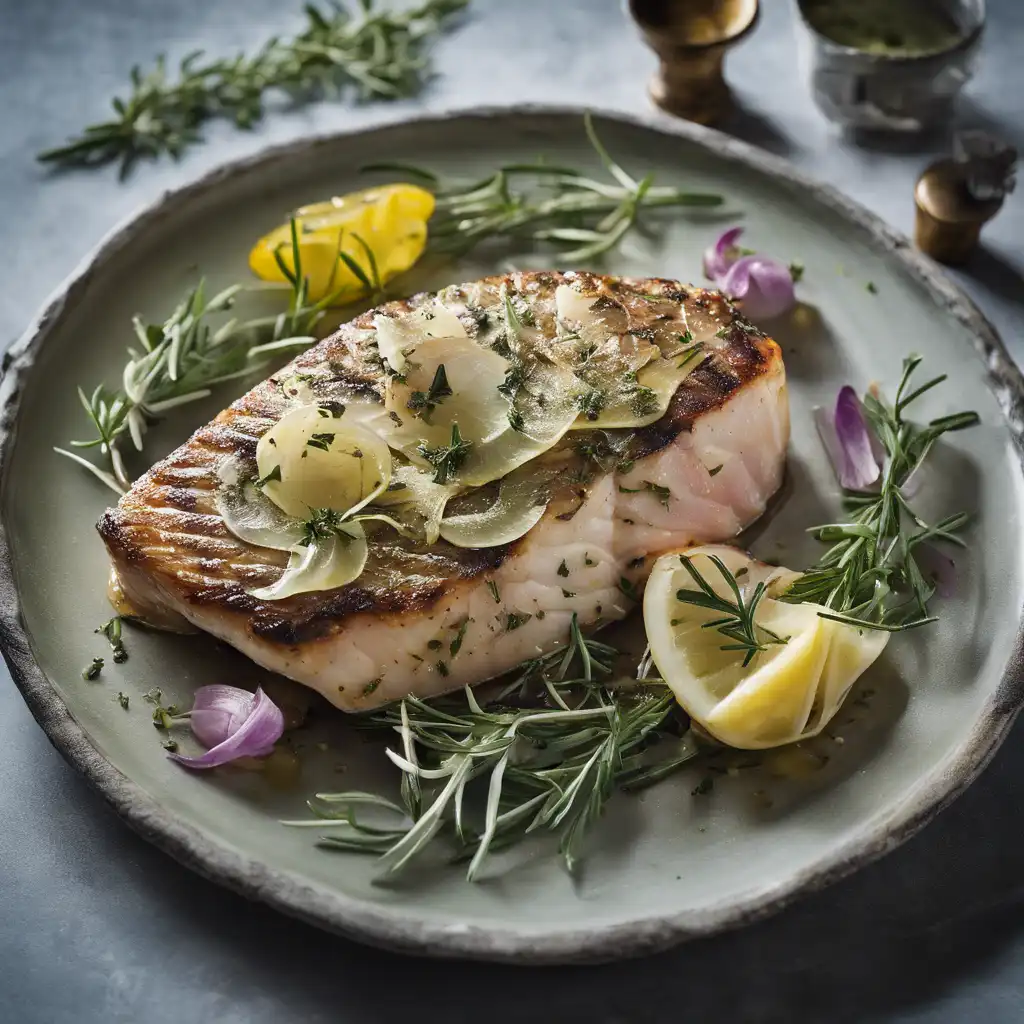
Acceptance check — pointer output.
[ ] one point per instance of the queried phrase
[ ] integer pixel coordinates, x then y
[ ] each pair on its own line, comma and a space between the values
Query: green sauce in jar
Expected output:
895, 28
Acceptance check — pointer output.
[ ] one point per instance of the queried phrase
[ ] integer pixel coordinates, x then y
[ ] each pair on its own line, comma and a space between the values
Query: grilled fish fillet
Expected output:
700, 474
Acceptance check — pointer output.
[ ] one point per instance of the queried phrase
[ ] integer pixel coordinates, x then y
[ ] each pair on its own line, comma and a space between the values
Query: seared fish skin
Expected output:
426, 620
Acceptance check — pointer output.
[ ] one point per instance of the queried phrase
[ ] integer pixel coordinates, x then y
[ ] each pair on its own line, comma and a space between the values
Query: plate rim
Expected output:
386, 926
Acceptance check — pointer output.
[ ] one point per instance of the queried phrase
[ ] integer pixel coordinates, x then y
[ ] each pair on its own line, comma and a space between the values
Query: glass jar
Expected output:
884, 81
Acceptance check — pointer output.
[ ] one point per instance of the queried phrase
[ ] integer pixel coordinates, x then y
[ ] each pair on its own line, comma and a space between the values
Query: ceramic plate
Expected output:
662, 866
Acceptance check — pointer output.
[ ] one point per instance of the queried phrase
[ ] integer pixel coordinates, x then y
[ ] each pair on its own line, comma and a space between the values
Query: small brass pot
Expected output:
691, 39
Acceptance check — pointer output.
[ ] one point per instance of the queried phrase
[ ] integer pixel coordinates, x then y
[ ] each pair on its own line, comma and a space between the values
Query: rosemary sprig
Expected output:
737, 622
547, 768
575, 217
373, 55
870, 575
180, 360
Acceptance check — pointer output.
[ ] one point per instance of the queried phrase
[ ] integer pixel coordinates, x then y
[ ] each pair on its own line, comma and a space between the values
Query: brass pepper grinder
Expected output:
691, 39
955, 197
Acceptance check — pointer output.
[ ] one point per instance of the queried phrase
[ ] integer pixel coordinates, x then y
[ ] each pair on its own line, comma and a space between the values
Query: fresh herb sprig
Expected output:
563, 211
737, 622
547, 768
373, 55
870, 575
180, 360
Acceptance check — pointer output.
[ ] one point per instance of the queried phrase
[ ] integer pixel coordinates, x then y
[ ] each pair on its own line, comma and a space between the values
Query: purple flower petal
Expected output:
722, 255
218, 711
257, 720
763, 287
857, 468
937, 567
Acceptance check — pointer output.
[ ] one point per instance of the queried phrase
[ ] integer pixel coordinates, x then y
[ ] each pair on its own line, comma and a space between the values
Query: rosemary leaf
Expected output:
370, 55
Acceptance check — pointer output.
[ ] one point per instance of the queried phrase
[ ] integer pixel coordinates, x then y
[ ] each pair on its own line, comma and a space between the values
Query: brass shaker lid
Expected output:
970, 187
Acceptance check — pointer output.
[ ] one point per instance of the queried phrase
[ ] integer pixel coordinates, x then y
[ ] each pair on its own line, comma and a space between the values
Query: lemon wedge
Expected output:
391, 220
788, 691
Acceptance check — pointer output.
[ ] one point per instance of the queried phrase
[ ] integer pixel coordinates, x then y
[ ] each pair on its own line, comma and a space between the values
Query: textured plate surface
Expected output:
663, 866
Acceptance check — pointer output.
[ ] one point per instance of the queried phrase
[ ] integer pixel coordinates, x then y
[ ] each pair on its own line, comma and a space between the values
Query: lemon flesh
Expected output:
788, 691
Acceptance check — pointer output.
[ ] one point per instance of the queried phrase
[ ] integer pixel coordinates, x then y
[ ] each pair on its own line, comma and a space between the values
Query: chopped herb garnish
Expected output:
663, 494
563, 569
371, 686
171, 746
591, 402
322, 441
321, 523
690, 355
513, 620
643, 401
568, 593
434, 645
686, 338
493, 588
442, 668
93, 669
123, 699
331, 409
456, 645
715, 470
703, 787
515, 378
872, 287
515, 419
628, 587
274, 474
423, 403
447, 459
796, 271
111, 629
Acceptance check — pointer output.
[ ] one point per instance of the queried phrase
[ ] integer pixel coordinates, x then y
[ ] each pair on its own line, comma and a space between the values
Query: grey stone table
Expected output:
95, 925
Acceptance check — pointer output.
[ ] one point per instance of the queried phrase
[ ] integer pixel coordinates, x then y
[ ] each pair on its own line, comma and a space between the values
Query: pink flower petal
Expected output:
218, 711
255, 735
857, 468
722, 255
762, 286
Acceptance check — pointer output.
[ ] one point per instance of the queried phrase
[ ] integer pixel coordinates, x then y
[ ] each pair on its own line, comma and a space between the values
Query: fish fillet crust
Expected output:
698, 475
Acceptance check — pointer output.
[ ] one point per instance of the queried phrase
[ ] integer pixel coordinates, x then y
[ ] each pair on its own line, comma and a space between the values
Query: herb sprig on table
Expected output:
370, 54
